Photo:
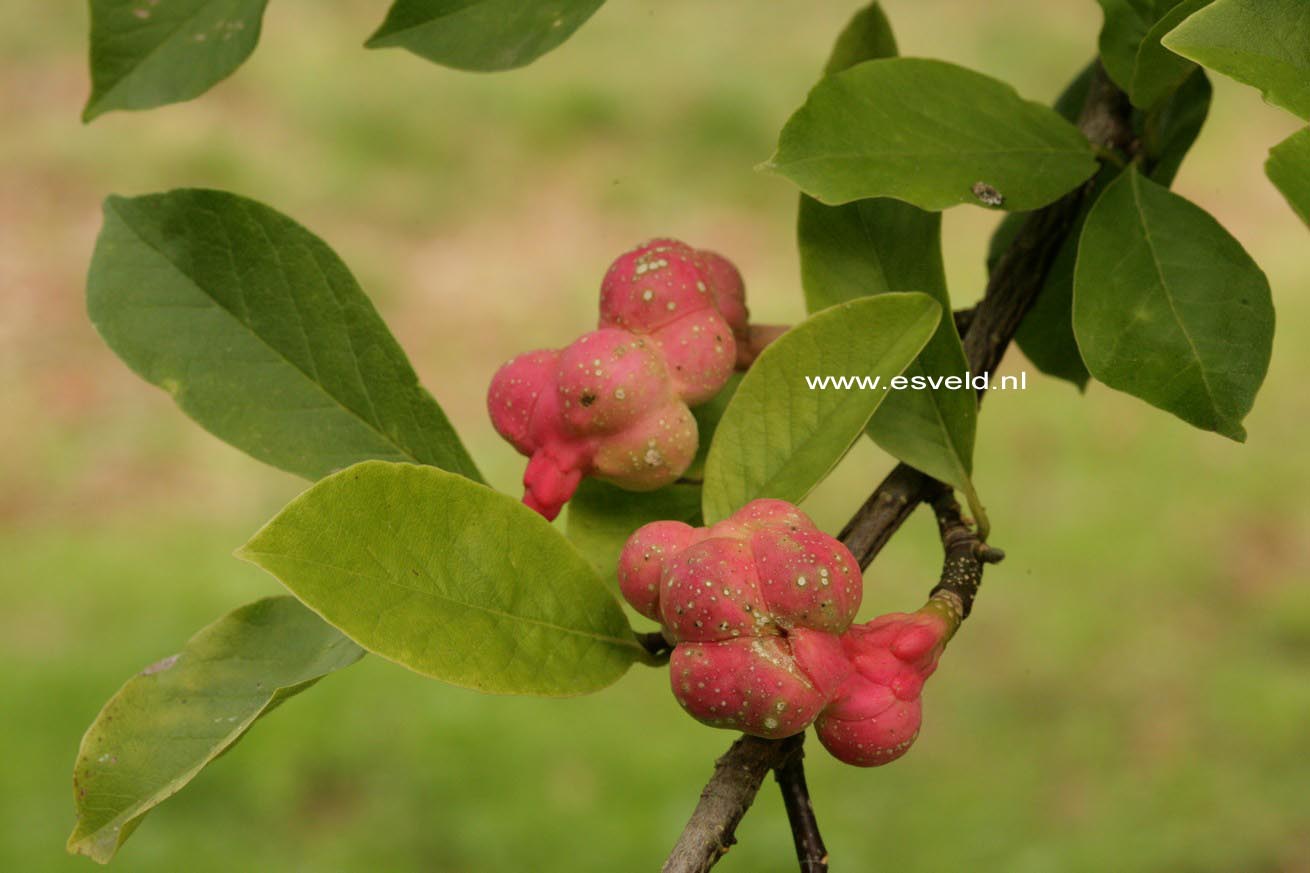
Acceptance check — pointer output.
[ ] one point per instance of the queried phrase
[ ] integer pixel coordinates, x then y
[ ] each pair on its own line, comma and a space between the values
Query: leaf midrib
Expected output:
1164, 286
617, 641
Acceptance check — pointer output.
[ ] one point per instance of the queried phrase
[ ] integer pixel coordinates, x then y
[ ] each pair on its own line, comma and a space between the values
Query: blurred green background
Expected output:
1131, 693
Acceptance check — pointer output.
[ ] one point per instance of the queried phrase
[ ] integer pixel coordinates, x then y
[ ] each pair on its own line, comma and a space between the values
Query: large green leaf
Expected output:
260, 334
1168, 306
1262, 43
481, 35
1289, 169
780, 437
146, 54
867, 247
449, 578
1157, 72
929, 133
601, 518
177, 715
1124, 28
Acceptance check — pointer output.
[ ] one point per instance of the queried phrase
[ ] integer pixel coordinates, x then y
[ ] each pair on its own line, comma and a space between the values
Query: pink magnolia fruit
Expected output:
651, 453
759, 609
607, 380
753, 605
875, 715
729, 290
661, 290
615, 402
604, 406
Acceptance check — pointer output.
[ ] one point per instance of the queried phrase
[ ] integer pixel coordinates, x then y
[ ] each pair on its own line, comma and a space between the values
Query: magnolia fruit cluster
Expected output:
759, 609
615, 402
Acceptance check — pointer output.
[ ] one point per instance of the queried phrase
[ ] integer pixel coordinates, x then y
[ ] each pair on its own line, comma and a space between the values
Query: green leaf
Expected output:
177, 715
481, 35
1288, 168
260, 334
1168, 306
601, 518
873, 247
931, 134
868, 35
867, 247
450, 579
1169, 130
1157, 72
1262, 43
1124, 28
779, 437
147, 54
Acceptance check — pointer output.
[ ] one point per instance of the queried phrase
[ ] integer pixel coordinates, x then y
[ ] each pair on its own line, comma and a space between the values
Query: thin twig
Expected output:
790, 775
1011, 289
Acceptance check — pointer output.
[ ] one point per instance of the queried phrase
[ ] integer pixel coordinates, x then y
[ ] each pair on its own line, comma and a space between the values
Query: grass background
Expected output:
1131, 693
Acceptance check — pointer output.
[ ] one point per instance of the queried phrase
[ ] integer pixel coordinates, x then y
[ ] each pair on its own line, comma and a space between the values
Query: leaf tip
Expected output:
86, 845
92, 110
1168, 39
1233, 430
380, 38
249, 552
